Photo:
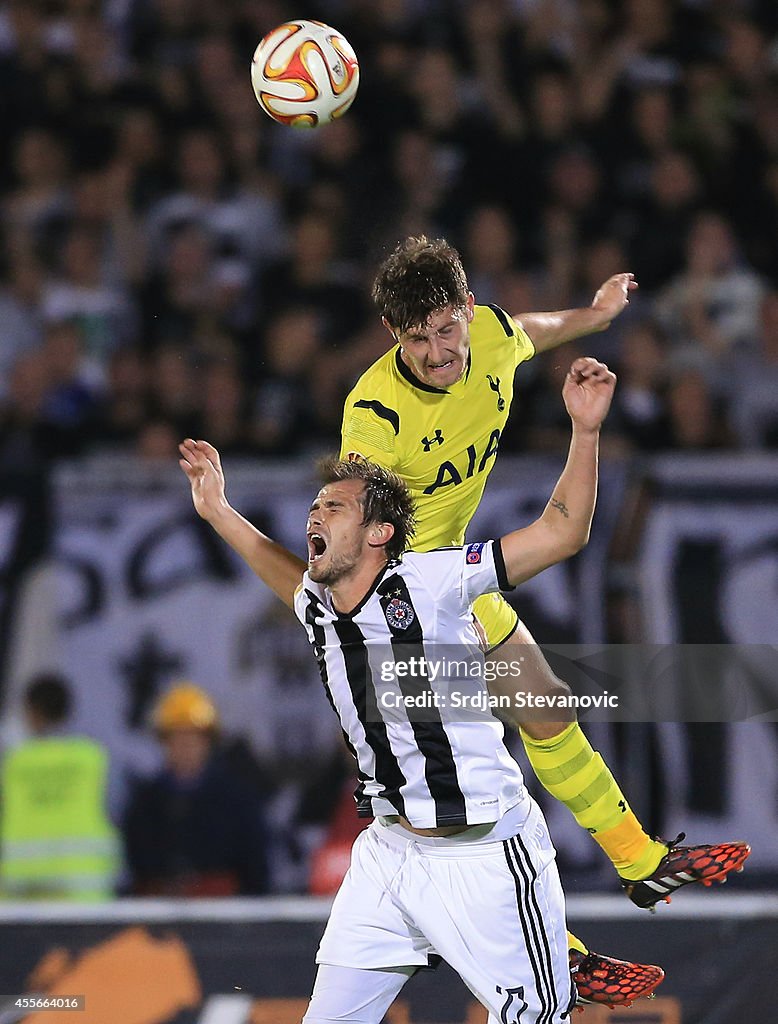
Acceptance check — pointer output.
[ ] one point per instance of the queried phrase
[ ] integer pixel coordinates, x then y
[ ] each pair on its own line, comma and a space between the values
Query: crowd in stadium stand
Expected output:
174, 264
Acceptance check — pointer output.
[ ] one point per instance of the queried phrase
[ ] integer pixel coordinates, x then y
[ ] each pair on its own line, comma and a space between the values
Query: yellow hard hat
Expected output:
185, 706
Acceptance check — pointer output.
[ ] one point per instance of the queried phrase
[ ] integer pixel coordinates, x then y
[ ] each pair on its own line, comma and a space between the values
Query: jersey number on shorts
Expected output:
514, 996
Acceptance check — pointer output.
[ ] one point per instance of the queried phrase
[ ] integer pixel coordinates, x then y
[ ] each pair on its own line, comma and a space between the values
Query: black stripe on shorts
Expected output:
528, 872
534, 935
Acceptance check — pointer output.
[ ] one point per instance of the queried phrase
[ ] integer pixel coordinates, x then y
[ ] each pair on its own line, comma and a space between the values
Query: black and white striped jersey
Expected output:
441, 767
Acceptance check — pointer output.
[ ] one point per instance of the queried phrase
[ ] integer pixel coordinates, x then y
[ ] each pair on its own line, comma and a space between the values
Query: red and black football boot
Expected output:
601, 979
683, 865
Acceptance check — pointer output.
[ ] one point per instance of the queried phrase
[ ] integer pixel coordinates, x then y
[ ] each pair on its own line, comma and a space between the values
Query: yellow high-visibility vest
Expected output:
56, 841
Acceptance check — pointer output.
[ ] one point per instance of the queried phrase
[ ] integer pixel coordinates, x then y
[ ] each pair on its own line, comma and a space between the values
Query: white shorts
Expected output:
491, 907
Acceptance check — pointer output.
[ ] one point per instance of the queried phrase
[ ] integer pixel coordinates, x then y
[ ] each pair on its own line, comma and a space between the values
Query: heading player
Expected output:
458, 862
433, 409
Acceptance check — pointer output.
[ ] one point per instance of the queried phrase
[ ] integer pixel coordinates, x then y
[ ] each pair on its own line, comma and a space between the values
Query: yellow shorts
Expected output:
497, 617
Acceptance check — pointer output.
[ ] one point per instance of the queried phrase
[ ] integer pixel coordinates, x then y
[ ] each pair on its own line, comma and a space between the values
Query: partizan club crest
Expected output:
399, 613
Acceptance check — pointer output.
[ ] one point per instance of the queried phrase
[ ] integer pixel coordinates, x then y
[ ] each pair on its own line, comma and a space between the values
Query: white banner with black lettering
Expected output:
146, 594
708, 574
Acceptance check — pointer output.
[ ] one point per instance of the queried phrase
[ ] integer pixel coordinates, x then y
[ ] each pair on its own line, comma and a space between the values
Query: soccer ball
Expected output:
304, 74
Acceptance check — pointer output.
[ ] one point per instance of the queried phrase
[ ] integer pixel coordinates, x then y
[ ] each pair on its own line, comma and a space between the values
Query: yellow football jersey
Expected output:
442, 442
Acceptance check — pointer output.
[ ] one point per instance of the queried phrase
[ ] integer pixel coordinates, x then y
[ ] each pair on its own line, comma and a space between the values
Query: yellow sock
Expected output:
572, 772
574, 943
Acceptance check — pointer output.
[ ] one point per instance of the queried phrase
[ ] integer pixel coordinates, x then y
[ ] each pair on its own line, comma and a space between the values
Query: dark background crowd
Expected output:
173, 263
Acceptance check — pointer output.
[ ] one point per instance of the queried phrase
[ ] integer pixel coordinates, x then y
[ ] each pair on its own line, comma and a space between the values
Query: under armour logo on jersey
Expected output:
437, 438
399, 614
494, 384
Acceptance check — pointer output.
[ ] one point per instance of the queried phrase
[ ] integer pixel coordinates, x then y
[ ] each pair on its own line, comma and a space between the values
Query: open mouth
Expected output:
440, 369
317, 545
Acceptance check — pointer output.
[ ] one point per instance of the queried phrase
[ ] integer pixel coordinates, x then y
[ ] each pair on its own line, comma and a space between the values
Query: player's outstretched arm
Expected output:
278, 568
563, 528
547, 330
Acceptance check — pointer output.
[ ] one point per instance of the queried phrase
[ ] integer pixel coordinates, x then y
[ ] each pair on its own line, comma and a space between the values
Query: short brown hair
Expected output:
386, 498
419, 278
48, 696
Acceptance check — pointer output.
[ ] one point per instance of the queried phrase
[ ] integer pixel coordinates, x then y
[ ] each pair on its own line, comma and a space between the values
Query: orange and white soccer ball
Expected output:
304, 74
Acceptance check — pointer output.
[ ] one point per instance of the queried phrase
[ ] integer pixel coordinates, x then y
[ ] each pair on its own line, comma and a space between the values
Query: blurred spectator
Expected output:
197, 827
243, 225
651, 29
284, 421
575, 189
651, 129
124, 406
746, 55
224, 408
713, 302
81, 291
640, 413
697, 420
102, 202
316, 277
754, 381
20, 314
710, 116
173, 387
490, 251
552, 119
139, 156
756, 201
657, 225
181, 294
20, 443
39, 202
70, 402
57, 841
156, 440
603, 257
412, 200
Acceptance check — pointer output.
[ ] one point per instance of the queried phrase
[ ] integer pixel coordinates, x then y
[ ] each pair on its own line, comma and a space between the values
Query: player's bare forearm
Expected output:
548, 330
563, 528
276, 566
570, 508
281, 570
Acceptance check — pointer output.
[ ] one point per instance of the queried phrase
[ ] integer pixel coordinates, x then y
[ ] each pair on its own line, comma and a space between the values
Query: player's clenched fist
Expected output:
202, 465
587, 392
